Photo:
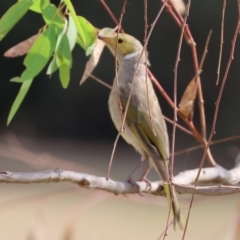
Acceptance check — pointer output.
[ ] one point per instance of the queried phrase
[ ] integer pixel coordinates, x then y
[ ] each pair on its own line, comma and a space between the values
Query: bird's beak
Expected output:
104, 39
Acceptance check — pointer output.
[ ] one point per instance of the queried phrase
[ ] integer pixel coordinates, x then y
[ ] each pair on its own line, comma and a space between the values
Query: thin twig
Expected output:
187, 34
179, 126
131, 90
216, 112
179, 20
191, 42
146, 61
100, 81
165, 233
116, 62
112, 155
231, 56
175, 87
205, 51
110, 13
148, 37
166, 118
186, 120
118, 91
211, 143
221, 41
175, 110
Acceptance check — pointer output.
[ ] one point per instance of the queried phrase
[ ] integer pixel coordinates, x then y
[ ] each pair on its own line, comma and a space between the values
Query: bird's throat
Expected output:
131, 55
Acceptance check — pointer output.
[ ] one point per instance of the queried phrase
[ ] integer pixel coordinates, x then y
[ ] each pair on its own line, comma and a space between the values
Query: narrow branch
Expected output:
146, 60
221, 42
175, 87
118, 91
100, 81
216, 111
178, 126
211, 143
196, 134
190, 41
189, 38
110, 13
226, 180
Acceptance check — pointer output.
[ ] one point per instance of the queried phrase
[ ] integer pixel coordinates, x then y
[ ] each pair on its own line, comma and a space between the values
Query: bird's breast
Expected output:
117, 118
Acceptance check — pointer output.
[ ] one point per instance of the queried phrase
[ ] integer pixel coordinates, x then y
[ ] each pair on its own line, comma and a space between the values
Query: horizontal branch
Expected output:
226, 179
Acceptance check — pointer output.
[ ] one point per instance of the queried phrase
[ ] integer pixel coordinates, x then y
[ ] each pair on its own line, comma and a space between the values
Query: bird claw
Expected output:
131, 181
149, 184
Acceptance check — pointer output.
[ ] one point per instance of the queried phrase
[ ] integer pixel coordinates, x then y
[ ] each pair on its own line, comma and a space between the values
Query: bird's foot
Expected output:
131, 181
149, 184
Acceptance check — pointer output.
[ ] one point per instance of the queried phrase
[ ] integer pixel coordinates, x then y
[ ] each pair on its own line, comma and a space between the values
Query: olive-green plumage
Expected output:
138, 128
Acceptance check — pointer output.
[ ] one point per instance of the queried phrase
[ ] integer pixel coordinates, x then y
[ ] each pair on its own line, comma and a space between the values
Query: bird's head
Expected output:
126, 45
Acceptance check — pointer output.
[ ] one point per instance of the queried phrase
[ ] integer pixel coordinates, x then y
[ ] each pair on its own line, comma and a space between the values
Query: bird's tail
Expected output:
173, 202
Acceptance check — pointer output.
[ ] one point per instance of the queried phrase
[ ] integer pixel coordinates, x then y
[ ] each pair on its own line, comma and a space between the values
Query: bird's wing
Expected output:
155, 146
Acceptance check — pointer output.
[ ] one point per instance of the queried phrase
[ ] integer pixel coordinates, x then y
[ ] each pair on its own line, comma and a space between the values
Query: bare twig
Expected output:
221, 42
187, 34
190, 41
216, 110
112, 154
192, 44
175, 110
144, 47
175, 87
165, 233
146, 61
131, 90
118, 91
178, 126
110, 13
220, 93
166, 118
186, 120
212, 143
100, 81
205, 51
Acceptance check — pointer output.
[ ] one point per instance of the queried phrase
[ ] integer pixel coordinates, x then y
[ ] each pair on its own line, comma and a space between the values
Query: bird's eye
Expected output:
120, 40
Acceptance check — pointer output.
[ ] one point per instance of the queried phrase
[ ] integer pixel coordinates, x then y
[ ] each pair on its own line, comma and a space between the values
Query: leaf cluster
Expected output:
52, 45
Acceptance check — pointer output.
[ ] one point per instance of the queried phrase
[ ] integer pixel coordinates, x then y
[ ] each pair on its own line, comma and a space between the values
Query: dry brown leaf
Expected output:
21, 48
93, 60
187, 102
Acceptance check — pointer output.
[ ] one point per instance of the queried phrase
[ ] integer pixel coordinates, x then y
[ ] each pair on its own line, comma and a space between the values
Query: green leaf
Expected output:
18, 100
15, 79
64, 74
75, 19
39, 54
36, 7
64, 52
52, 66
89, 33
90, 49
13, 15
51, 14
71, 33
60, 35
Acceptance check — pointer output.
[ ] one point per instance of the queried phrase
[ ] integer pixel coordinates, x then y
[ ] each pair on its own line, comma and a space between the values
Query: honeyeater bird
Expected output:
148, 136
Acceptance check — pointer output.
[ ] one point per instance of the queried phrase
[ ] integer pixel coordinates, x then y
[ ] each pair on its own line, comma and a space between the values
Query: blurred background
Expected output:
72, 129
